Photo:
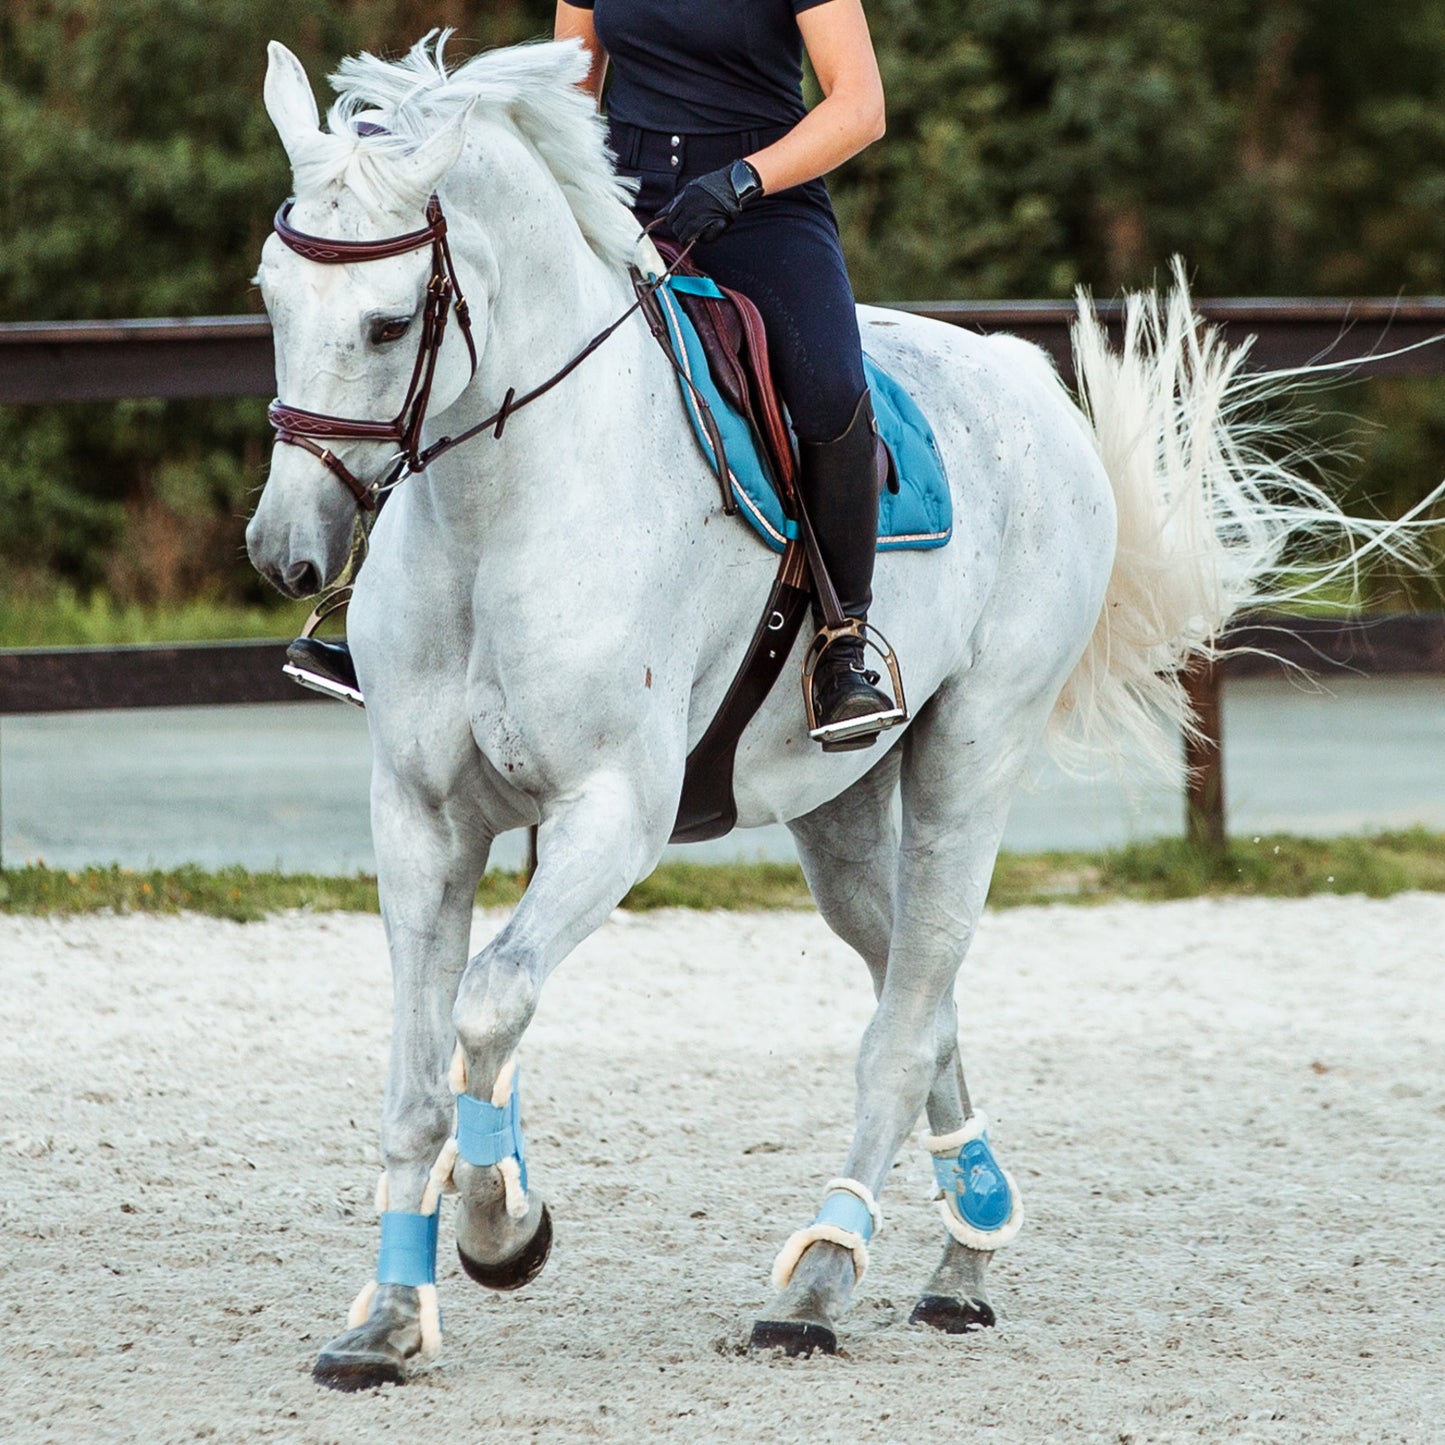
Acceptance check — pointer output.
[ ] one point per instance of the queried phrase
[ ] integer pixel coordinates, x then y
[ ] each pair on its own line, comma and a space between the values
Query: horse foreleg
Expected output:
588, 855
429, 860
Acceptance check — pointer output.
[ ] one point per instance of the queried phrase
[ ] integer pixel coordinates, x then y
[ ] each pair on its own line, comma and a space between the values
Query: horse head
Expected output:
359, 315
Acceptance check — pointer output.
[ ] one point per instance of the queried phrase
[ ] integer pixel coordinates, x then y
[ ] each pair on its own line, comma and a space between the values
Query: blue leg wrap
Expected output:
488, 1134
408, 1256
408, 1252
849, 1217
981, 1204
848, 1212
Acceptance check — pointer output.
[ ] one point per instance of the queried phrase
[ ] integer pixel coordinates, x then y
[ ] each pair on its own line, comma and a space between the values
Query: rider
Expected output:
706, 111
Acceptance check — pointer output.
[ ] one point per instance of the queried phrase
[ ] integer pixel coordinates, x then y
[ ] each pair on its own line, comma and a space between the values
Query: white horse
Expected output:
547, 622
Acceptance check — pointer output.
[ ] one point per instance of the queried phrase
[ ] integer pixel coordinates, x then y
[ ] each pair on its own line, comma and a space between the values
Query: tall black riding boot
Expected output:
839, 481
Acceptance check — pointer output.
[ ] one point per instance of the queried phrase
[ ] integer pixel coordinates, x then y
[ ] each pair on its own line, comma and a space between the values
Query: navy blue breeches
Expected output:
784, 255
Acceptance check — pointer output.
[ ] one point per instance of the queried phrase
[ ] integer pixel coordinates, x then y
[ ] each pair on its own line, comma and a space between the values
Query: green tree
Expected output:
1033, 145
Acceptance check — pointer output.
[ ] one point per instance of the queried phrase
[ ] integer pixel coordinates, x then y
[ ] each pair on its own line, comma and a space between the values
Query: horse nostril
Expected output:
303, 580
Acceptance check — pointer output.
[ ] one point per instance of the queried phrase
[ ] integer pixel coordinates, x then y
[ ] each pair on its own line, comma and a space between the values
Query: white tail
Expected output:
1205, 514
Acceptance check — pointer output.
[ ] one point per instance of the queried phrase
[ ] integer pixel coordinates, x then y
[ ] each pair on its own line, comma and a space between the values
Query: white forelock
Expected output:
533, 88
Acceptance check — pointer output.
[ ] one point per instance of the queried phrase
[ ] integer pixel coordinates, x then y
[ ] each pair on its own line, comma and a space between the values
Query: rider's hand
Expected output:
707, 206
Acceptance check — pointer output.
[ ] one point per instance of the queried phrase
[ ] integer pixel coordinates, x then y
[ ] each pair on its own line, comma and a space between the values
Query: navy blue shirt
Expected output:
702, 67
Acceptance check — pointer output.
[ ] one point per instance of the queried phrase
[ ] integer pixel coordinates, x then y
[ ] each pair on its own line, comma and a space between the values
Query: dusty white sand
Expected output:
1228, 1120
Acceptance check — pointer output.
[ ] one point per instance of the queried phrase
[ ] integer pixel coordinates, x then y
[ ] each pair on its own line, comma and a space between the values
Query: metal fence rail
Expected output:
50, 361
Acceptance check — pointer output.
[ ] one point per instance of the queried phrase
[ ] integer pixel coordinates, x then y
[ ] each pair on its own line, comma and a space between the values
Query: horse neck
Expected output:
549, 291
538, 293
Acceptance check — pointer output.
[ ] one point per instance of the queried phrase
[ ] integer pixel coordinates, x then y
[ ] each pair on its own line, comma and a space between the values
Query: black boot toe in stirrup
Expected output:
324, 667
850, 709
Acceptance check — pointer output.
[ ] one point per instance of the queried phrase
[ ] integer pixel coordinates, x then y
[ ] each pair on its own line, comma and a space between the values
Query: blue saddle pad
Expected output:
918, 517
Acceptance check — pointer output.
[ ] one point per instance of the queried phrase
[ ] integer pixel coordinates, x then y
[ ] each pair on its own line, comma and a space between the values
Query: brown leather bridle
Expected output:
300, 428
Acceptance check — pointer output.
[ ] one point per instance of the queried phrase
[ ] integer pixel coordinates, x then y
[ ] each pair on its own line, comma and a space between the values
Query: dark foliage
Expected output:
1282, 147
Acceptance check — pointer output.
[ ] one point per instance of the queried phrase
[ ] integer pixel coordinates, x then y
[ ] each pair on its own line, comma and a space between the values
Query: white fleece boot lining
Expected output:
360, 1310
787, 1261
786, 1264
511, 1173
440, 1180
502, 1089
431, 1322
975, 1127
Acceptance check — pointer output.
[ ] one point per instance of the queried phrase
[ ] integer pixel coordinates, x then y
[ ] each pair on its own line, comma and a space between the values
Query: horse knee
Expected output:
494, 1005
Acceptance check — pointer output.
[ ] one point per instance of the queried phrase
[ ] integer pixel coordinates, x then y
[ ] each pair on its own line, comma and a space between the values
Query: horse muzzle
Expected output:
300, 549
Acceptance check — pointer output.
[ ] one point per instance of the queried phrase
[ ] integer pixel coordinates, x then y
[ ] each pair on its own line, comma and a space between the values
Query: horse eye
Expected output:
384, 331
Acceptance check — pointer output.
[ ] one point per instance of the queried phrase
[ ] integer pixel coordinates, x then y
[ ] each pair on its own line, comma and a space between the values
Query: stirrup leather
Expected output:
852, 727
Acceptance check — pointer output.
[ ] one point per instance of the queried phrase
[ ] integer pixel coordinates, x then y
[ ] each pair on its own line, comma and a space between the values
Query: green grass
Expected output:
62, 618
1277, 867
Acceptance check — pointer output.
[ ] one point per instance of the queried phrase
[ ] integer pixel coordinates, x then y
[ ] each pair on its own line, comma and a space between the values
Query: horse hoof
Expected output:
795, 1338
522, 1268
953, 1316
351, 1372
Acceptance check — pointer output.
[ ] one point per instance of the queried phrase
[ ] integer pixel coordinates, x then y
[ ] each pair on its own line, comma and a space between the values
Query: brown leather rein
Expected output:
306, 429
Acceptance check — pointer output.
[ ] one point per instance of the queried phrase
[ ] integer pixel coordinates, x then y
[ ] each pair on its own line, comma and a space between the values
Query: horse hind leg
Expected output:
955, 1300
977, 1199
849, 850
909, 1060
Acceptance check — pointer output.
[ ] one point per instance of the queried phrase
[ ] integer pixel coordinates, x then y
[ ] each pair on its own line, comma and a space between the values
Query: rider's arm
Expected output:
851, 114
575, 21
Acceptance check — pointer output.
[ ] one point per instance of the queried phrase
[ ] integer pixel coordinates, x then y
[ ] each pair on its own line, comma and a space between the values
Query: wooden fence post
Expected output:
1204, 760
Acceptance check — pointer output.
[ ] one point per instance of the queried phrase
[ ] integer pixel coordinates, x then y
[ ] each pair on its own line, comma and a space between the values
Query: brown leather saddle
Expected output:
734, 339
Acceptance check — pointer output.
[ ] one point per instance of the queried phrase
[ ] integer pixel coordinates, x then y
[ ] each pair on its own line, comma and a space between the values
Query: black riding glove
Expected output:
706, 207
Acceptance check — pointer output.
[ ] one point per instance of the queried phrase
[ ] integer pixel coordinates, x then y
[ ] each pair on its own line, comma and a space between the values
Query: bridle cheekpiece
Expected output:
306, 429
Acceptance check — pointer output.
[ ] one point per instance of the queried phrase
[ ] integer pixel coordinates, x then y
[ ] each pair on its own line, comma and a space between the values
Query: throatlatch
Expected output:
979, 1201
849, 1218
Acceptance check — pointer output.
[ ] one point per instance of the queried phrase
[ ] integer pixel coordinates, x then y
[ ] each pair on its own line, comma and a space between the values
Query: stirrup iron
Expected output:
333, 602
869, 724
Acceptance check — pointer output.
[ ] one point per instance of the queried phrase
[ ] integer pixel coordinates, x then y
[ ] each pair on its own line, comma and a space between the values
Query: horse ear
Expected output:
290, 102
430, 161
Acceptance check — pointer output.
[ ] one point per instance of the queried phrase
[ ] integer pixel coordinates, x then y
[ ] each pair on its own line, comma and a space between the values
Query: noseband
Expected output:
300, 428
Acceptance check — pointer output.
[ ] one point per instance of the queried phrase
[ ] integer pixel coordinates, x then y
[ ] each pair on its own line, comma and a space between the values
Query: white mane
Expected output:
532, 87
